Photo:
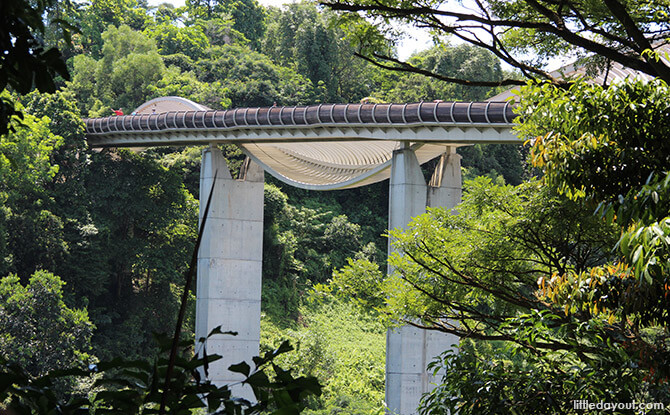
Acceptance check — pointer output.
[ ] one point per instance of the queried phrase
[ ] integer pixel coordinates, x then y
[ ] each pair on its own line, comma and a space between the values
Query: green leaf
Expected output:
241, 367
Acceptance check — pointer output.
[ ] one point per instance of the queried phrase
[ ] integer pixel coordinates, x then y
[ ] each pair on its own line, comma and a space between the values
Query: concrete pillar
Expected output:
444, 190
445, 187
229, 266
409, 349
405, 357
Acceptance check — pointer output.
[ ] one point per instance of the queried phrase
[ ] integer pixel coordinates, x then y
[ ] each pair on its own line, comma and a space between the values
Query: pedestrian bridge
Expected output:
321, 147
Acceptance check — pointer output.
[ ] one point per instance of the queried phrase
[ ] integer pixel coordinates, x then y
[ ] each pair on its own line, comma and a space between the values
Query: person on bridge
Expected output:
119, 111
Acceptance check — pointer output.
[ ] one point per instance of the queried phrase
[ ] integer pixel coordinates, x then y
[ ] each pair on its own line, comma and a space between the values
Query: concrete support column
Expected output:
445, 187
229, 266
409, 349
405, 352
444, 190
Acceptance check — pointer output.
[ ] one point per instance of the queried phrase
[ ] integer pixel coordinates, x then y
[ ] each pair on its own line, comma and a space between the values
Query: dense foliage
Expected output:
135, 387
26, 61
38, 331
339, 344
116, 227
556, 303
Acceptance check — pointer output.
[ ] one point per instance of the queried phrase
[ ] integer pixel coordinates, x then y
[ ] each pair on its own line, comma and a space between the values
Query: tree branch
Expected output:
407, 67
619, 11
559, 28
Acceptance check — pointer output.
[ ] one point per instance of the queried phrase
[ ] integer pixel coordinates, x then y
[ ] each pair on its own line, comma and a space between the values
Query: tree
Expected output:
252, 79
25, 60
521, 233
526, 33
30, 234
144, 229
326, 238
249, 18
89, 217
611, 154
475, 274
493, 160
462, 61
170, 39
96, 18
39, 332
187, 85
311, 41
220, 32
318, 53
248, 15
130, 63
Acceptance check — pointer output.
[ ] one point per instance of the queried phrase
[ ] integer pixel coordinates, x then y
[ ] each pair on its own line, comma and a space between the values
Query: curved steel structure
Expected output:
328, 146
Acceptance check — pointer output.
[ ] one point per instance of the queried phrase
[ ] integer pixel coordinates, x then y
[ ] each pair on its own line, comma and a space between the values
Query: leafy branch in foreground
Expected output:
136, 387
25, 61
610, 151
526, 34
489, 273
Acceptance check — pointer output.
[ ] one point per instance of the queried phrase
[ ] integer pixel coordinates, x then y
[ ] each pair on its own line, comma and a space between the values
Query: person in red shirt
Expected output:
119, 111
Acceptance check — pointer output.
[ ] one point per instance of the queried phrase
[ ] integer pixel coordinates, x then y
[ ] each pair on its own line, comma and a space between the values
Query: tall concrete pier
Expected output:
230, 266
409, 350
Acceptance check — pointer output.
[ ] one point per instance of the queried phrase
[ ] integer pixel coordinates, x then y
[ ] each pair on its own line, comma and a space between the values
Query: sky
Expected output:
418, 41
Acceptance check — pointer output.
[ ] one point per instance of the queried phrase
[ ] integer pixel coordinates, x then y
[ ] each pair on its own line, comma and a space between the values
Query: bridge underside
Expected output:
318, 147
